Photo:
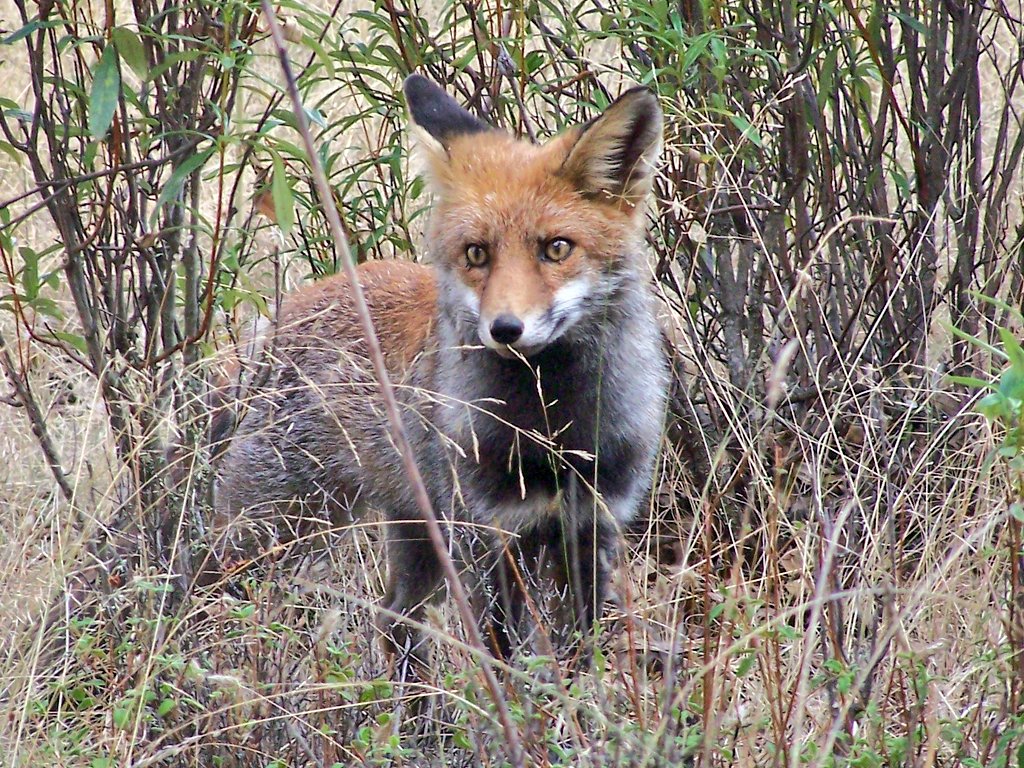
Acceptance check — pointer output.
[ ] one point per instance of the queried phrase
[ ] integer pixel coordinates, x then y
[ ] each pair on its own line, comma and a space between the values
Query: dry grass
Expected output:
874, 578
836, 590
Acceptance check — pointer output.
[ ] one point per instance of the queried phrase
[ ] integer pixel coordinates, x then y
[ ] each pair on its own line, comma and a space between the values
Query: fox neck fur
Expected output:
590, 404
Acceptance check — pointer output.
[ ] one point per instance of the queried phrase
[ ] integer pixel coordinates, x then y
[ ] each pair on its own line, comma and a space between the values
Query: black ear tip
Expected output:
641, 91
417, 88
431, 108
641, 98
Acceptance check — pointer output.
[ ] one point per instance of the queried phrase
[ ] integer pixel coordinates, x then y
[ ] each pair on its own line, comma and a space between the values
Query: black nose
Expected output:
506, 329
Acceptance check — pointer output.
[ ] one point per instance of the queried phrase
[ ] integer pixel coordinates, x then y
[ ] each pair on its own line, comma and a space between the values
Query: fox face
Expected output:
530, 240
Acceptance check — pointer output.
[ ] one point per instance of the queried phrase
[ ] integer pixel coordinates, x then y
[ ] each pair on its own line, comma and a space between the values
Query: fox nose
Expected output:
506, 329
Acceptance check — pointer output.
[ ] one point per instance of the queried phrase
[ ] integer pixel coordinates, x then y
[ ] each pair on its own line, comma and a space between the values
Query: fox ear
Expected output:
615, 154
436, 113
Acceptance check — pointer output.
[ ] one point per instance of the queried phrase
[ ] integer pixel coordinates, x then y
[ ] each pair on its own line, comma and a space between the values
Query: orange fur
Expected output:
402, 297
533, 204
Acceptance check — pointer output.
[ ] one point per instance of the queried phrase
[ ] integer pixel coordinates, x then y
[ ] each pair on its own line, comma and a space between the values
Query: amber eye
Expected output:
476, 255
557, 249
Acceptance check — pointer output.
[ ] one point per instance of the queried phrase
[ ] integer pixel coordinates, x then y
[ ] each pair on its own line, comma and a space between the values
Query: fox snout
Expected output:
510, 335
507, 331
511, 332
506, 328
526, 335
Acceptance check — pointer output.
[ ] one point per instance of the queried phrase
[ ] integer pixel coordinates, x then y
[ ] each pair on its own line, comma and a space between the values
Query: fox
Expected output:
528, 361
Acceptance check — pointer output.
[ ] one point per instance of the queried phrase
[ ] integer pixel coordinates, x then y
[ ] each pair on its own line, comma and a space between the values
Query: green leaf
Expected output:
874, 26
746, 664
174, 59
913, 23
1012, 346
18, 114
1011, 384
130, 49
749, 131
693, 51
106, 92
992, 406
165, 707
48, 307
827, 76
999, 303
1017, 511
9, 149
284, 200
30, 273
970, 381
24, 32
321, 53
177, 180
314, 115
980, 343
76, 341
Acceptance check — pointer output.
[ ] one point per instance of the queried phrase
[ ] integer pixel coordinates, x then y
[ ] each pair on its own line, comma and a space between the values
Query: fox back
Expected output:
527, 358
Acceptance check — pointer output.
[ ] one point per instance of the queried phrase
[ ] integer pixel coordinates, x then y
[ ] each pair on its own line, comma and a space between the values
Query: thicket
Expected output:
839, 240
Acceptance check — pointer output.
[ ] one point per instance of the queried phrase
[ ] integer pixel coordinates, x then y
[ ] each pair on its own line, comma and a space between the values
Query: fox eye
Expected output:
557, 249
476, 255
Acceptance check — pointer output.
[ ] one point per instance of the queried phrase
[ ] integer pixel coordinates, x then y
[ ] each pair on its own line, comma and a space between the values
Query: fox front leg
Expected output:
414, 578
587, 554
492, 577
545, 587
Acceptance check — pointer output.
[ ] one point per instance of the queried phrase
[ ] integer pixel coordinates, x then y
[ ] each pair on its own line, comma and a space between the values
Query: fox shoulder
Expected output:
401, 296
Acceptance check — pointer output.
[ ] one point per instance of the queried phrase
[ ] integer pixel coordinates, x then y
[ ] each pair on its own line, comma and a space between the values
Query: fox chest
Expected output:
522, 435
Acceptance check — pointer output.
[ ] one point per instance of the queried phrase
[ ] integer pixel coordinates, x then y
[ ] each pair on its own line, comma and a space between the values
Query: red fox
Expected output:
528, 360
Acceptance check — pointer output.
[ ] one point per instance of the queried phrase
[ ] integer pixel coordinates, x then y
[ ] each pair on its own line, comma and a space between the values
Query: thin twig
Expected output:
391, 404
35, 417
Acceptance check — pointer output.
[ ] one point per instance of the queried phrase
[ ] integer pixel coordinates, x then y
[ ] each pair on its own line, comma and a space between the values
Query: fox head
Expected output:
533, 239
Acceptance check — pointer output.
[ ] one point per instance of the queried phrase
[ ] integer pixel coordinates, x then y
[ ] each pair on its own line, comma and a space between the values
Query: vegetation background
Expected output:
832, 570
